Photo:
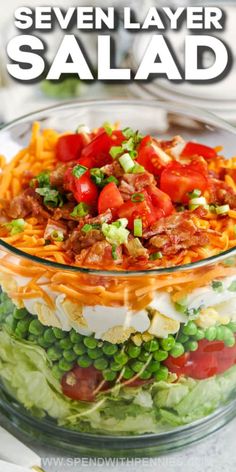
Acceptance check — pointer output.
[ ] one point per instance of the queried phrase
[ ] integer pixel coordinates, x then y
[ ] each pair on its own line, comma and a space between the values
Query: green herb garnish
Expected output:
80, 210
137, 197
79, 170
232, 287
217, 286
155, 255
138, 227
114, 253
52, 197
15, 226
57, 235
88, 227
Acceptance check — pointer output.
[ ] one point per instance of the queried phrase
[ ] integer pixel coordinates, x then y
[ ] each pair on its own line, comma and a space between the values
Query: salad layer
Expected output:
91, 385
113, 198
111, 352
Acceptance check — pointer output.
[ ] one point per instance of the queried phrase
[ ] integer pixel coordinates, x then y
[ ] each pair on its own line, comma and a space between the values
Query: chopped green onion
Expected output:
127, 132
97, 175
114, 253
82, 129
193, 313
138, 227
80, 210
43, 179
231, 261
195, 193
87, 227
217, 286
133, 154
232, 287
111, 178
52, 197
115, 151
79, 170
15, 226
128, 145
108, 127
155, 255
135, 135
57, 235
198, 201
137, 169
137, 197
222, 210
126, 162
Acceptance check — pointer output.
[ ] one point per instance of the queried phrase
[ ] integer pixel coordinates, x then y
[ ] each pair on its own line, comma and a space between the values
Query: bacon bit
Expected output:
99, 255
24, 205
132, 183
176, 232
113, 169
222, 194
54, 226
57, 176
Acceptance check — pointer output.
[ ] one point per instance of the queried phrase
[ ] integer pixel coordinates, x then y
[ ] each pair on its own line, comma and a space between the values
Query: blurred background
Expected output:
18, 98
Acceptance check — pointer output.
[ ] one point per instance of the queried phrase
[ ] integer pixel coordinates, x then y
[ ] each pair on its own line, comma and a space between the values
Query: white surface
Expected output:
217, 453
12, 450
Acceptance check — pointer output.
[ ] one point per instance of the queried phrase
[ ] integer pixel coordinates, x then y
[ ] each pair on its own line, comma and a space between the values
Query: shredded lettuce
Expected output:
116, 233
26, 373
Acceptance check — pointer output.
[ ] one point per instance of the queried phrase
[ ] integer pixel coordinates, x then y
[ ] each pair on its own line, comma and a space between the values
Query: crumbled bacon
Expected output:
222, 194
26, 204
99, 219
176, 232
113, 169
79, 240
132, 183
172, 244
64, 212
99, 255
54, 226
57, 176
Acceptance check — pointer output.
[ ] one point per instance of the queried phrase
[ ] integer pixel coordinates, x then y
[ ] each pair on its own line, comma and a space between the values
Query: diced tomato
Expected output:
144, 210
83, 188
211, 358
195, 149
110, 197
69, 147
81, 382
160, 200
178, 180
96, 153
151, 157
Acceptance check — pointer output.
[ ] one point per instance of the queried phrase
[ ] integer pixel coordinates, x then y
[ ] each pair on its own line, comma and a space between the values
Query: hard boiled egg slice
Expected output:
100, 319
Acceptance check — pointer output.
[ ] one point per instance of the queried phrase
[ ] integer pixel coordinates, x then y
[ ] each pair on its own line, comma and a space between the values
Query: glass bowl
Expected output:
146, 404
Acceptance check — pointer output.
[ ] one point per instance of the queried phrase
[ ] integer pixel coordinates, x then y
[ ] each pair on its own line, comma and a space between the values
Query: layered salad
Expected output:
118, 279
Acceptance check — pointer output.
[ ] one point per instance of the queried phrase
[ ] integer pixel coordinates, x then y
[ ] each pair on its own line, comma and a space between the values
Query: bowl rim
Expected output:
172, 107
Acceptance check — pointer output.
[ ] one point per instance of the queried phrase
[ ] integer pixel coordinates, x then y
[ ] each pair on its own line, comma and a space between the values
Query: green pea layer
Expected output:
67, 349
